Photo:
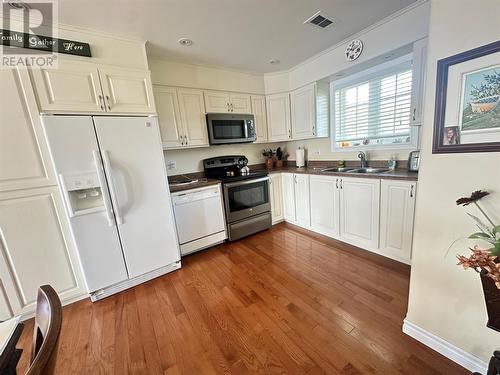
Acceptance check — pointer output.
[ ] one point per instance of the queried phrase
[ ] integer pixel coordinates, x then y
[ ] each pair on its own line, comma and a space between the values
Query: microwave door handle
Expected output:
104, 188
112, 191
246, 129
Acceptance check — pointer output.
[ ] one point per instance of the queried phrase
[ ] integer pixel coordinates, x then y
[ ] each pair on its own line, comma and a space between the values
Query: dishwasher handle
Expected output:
194, 197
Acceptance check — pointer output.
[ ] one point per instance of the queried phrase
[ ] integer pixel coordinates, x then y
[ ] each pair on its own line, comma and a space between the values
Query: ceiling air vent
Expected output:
320, 20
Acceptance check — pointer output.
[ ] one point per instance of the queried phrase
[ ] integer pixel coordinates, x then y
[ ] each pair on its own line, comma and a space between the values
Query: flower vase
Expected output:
492, 299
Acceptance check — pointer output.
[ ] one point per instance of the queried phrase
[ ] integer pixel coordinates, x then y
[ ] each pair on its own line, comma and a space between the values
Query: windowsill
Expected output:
406, 146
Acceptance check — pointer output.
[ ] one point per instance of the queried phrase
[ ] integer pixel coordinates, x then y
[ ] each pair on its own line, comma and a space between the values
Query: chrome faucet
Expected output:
362, 156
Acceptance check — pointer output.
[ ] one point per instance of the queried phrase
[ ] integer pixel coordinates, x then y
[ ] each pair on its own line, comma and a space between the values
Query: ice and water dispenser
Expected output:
83, 193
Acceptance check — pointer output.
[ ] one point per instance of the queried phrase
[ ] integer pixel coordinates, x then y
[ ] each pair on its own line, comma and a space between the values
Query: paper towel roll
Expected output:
299, 158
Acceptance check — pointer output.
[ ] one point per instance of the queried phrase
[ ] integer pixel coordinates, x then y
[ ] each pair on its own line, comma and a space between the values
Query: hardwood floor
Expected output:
282, 301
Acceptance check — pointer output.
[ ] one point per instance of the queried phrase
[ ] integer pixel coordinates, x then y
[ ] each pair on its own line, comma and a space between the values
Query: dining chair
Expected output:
48, 320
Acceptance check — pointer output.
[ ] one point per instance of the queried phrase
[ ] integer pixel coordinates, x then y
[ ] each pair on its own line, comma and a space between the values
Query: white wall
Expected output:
446, 300
191, 160
173, 73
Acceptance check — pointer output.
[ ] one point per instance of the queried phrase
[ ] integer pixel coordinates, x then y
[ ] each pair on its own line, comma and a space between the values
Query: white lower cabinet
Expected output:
370, 213
275, 193
325, 192
302, 208
42, 254
296, 207
397, 206
359, 211
289, 197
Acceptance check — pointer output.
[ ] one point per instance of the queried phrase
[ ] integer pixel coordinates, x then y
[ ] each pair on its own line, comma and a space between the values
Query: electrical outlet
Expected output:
317, 152
171, 165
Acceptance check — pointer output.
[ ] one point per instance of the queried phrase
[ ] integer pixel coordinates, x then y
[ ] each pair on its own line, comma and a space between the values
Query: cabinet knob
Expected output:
411, 191
107, 99
337, 183
101, 102
414, 114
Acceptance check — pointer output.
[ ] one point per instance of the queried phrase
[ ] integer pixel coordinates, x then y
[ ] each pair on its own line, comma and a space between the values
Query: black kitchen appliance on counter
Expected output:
246, 194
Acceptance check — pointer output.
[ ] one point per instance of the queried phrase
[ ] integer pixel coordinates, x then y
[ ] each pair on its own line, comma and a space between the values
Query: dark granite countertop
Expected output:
202, 183
396, 174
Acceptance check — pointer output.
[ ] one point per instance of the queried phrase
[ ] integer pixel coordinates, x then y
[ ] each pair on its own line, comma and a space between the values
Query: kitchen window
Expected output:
374, 109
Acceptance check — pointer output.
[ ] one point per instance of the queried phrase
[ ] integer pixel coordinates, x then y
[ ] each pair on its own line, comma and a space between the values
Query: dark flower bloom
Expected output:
475, 196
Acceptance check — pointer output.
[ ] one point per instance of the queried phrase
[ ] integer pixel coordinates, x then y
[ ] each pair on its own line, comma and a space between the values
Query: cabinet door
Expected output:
325, 205
240, 103
359, 211
73, 87
418, 79
276, 197
303, 112
127, 91
278, 117
288, 197
45, 256
217, 101
169, 116
397, 207
24, 157
193, 118
302, 208
260, 118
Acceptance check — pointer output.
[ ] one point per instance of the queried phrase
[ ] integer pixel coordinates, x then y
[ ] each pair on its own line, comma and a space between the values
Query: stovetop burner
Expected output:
229, 168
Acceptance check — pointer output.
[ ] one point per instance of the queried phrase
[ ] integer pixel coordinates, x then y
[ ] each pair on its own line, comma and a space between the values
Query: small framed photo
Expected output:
467, 114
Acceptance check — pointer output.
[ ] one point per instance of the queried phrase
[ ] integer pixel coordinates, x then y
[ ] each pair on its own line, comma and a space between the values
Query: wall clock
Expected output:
353, 50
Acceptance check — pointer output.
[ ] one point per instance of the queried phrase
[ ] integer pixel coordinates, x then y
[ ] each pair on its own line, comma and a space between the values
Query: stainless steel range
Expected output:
246, 194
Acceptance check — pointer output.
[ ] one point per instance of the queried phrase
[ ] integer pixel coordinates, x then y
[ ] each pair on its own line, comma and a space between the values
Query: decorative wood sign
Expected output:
44, 43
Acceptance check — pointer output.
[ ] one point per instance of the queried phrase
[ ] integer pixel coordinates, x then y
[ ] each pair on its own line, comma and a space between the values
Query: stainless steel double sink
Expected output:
355, 170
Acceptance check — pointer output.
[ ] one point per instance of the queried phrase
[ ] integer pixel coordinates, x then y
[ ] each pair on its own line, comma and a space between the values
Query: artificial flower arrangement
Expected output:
483, 260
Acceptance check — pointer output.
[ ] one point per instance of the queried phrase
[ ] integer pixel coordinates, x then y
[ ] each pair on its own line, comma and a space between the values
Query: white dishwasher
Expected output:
199, 218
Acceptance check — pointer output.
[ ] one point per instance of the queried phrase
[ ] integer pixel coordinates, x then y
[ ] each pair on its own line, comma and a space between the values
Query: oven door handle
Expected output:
246, 182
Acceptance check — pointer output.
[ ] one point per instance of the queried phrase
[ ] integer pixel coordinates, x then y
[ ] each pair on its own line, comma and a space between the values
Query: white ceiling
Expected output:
239, 34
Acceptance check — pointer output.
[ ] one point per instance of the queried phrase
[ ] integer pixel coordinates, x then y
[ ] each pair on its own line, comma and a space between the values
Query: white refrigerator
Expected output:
112, 176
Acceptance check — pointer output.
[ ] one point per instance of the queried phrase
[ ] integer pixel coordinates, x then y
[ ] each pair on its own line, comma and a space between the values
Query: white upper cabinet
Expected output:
418, 80
276, 198
192, 110
73, 87
24, 157
240, 103
278, 117
302, 208
127, 90
397, 208
217, 101
303, 112
181, 114
79, 87
227, 102
310, 111
288, 197
359, 211
260, 117
167, 105
325, 204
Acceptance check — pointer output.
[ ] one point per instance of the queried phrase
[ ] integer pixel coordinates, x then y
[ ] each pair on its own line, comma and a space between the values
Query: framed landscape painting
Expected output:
467, 115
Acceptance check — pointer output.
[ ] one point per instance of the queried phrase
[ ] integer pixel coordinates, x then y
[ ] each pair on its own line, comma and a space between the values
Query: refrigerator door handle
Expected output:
107, 165
102, 181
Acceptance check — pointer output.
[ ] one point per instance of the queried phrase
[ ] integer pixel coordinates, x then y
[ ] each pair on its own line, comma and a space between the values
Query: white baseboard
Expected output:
464, 359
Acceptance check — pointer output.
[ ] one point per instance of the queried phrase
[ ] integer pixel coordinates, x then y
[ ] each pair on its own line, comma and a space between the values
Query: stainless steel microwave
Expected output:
226, 128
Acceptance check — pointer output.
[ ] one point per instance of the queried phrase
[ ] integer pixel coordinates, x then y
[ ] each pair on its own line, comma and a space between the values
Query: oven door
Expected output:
243, 199
226, 128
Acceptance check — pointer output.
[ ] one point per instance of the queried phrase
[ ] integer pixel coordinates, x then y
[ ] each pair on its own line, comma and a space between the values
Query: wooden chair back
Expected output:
48, 320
